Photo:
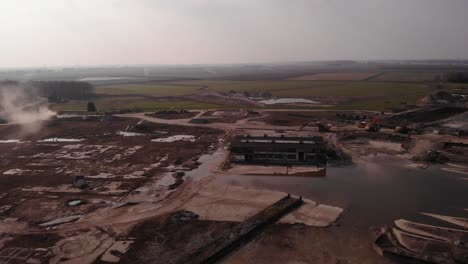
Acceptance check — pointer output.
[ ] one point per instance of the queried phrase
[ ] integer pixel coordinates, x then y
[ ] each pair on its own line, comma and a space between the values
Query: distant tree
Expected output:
91, 107
57, 91
458, 77
8, 82
247, 94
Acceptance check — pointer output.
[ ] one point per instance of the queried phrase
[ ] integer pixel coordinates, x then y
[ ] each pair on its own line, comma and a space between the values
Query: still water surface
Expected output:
376, 193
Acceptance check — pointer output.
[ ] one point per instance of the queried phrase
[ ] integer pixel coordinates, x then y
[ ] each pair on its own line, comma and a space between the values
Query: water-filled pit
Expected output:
375, 193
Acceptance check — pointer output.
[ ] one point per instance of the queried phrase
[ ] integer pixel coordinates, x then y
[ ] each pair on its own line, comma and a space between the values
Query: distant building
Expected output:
279, 150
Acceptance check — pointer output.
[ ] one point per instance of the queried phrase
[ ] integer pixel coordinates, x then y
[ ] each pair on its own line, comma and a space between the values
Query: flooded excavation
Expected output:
376, 192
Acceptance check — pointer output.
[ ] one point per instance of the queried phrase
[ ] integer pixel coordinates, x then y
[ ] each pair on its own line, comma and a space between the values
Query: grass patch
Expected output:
134, 104
382, 104
285, 88
409, 76
147, 89
364, 95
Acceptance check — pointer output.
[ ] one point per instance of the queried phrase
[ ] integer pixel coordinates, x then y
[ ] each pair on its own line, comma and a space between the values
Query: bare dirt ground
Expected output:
228, 116
161, 240
140, 173
299, 118
130, 168
114, 156
300, 244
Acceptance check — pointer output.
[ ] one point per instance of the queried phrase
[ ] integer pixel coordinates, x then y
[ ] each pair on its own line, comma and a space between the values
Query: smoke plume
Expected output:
23, 106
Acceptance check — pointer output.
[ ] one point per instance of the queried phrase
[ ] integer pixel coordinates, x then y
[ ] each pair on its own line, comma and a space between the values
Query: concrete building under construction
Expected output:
279, 150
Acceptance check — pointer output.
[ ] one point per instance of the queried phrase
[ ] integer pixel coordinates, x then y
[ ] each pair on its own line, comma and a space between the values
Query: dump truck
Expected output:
373, 126
323, 127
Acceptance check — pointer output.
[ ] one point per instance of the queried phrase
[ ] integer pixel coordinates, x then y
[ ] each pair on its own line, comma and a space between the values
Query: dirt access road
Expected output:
247, 123
251, 124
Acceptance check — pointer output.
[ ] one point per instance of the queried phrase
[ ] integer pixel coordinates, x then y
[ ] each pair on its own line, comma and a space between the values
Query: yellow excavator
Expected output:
323, 127
402, 128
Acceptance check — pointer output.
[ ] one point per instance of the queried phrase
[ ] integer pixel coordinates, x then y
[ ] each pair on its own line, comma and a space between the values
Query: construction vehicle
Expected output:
374, 125
323, 127
402, 128
362, 124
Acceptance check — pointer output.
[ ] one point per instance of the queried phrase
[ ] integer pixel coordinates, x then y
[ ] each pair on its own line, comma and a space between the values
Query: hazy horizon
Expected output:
187, 32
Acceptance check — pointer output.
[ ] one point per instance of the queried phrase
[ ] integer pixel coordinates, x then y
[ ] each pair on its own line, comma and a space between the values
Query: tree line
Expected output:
457, 77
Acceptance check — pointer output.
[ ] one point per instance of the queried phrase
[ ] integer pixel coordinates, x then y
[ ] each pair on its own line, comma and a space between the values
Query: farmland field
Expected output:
380, 90
408, 76
134, 104
313, 88
338, 76
148, 89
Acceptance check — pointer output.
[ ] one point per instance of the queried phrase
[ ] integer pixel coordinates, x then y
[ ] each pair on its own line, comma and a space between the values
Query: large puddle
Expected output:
175, 138
376, 193
288, 101
10, 141
208, 163
60, 140
106, 78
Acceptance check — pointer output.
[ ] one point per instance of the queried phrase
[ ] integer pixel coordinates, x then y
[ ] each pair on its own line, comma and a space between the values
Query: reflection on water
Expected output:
208, 163
378, 192
88, 79
288, 101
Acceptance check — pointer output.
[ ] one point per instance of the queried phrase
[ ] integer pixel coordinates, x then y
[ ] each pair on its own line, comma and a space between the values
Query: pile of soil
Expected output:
432, 156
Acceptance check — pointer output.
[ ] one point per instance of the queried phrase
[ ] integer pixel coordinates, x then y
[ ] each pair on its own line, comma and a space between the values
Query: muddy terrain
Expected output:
157, 189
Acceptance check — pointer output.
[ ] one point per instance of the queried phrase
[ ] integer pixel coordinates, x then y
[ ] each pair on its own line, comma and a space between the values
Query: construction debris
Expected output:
421, 242
183, 216
432, 156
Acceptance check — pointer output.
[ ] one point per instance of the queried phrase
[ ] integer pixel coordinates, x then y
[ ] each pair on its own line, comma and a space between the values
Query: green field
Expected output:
136, 104
315, 88
408, 76
364, 95
157, 90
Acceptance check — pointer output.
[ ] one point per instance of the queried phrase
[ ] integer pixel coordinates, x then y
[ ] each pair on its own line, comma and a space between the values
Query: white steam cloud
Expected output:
23, 106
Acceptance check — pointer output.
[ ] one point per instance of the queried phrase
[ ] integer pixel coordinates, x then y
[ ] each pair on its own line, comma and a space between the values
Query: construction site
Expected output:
312, 186
234, 132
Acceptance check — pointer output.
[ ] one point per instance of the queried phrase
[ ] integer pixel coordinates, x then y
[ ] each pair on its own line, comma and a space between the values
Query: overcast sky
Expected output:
90, 32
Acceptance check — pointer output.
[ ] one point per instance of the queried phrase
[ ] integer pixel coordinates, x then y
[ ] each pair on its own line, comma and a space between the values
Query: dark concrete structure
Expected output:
279, 150
240, 234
